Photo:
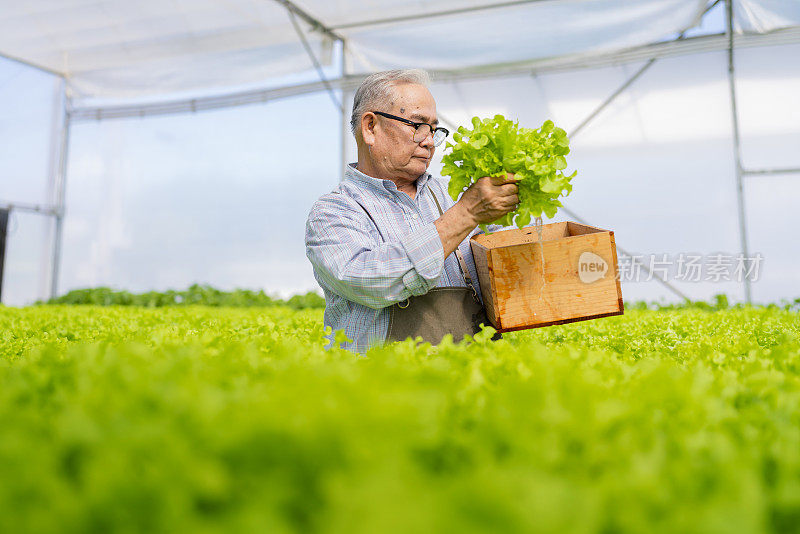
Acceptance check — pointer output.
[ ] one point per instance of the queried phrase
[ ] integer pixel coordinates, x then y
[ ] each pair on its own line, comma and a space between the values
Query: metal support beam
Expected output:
196, 104
60, 191
737, 157
344, 132
752, 172
32, 65
315, 62
315, 23
31, 208
3, 231
662, 281
344, 156
427, 14
53, 170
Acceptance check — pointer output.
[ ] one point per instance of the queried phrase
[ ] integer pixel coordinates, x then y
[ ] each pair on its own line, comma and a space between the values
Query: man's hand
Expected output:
486, 200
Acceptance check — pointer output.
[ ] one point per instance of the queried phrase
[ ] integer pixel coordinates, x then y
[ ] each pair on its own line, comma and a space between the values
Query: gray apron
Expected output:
442, 310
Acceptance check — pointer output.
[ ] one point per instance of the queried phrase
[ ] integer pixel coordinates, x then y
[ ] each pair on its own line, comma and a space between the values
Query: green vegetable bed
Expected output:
198, 419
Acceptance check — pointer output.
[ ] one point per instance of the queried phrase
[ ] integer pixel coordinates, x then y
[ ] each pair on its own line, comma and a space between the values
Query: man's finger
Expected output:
502, 180
509, 189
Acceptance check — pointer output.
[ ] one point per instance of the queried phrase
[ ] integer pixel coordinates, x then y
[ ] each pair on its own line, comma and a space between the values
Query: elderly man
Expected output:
389, 247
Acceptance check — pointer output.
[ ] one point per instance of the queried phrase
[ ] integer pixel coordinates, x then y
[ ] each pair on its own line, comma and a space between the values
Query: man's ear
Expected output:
368, 124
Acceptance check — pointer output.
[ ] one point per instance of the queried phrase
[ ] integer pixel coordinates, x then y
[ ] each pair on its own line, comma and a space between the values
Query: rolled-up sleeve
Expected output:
352, 263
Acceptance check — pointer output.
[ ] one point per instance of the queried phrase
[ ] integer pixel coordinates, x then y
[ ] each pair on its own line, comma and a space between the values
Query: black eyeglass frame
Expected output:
416, 126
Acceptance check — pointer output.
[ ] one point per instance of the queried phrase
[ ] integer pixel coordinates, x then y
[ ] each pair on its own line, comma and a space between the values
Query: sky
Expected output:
221, 197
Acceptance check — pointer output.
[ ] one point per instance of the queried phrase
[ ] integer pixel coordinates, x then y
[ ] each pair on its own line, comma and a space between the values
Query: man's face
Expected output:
394, 149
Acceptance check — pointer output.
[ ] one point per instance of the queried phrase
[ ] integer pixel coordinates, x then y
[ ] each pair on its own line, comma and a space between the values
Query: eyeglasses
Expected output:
421, 129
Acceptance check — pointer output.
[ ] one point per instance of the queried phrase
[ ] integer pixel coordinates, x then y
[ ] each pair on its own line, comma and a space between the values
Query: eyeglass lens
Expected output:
424, 130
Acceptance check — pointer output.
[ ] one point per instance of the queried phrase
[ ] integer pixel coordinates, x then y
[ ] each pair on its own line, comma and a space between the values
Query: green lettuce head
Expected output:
498, 146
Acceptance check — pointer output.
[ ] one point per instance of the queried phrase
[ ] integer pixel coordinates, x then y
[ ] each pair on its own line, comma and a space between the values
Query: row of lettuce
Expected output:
205, 295
208, 419
202, 295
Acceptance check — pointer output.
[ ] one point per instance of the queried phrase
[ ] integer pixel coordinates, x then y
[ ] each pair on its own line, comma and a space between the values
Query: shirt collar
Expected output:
353, 174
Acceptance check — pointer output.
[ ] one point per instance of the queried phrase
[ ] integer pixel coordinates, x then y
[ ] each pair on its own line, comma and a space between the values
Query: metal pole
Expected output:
3, 230
737, 146
312, 21
53, 169
61, 193
345, 127
32, 65
429, 14
793, 170
315, 61
31, 208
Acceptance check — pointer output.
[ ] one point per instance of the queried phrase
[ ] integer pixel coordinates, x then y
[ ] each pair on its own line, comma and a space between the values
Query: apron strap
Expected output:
461, 263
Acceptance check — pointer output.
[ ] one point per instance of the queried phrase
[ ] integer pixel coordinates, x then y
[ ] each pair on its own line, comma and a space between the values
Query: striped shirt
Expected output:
372, 246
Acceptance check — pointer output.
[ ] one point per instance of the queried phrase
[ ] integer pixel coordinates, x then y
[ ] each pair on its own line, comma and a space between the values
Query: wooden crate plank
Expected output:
481, 256
516, 236
616, 271
553, 323
574, 228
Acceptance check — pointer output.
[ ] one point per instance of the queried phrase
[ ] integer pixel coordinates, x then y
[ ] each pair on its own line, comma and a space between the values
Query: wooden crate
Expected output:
574, 286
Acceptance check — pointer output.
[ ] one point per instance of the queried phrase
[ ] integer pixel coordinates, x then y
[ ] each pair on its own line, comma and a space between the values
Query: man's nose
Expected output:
428, 141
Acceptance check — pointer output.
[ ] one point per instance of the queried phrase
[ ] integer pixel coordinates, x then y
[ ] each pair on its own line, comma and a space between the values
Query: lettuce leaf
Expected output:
494, 147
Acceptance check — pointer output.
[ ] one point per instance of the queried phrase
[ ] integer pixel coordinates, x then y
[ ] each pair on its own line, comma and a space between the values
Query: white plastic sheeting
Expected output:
518, 32
156, 48
122, 48
762, 16
115, 48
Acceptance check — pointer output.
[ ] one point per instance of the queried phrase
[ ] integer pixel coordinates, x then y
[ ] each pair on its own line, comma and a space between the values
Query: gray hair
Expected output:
377, 89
